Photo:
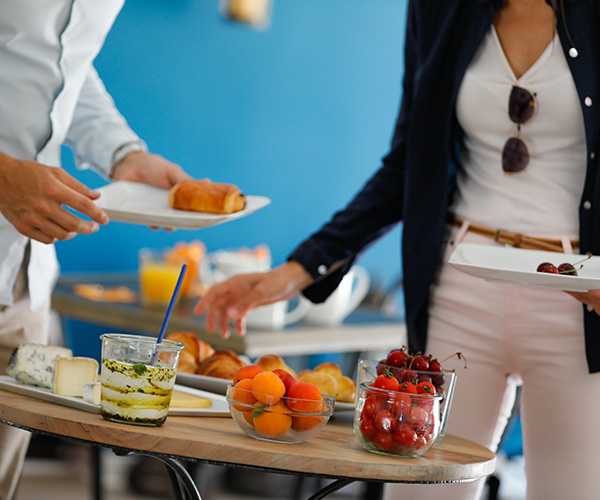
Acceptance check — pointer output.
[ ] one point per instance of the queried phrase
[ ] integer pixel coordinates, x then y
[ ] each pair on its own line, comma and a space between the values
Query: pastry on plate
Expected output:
206, 196
222, 364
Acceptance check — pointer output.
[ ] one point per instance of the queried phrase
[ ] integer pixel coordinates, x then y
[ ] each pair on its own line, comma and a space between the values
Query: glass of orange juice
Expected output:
158, 277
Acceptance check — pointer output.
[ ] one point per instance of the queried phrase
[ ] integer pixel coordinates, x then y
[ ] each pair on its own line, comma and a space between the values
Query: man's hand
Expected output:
148, 169
33, 197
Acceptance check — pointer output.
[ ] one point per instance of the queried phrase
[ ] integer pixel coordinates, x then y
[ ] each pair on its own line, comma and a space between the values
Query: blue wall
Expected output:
301, 112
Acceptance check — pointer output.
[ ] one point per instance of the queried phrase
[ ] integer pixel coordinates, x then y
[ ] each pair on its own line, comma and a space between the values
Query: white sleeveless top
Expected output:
544, 198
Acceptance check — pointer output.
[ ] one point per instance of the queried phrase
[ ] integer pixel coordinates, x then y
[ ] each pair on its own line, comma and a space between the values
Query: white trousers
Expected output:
18, 324
515, 335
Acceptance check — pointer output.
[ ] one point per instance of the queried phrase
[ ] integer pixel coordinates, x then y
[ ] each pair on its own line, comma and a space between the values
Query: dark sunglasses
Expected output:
521, 105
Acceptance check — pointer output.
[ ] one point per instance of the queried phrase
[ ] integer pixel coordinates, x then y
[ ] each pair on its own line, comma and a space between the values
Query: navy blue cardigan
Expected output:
415, 182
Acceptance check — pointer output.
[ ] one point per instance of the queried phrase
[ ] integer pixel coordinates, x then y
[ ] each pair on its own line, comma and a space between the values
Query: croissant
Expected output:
222, 364
199, 349
187, 362
206, 196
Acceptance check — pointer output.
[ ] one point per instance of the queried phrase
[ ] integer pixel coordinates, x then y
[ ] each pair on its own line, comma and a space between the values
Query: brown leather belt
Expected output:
516, 239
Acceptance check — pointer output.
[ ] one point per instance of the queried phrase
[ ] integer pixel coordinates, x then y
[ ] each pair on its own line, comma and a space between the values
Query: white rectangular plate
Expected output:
516, 266
219, 407
219, 386
138, 203
211, 384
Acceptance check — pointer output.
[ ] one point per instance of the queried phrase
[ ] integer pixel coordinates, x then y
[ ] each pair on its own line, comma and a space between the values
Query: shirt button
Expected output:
592, 155
588, 101
590, 308
587, 204
573, 52
322, 269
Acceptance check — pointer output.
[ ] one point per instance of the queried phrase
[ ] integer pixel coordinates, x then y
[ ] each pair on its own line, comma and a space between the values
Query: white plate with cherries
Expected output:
516, 266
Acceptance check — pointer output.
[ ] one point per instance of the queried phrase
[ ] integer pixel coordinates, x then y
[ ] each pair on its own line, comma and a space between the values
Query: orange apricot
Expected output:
305, 422
286, 377
248, 371
273, 420
247, 414
305, 397
242, 392
268, 388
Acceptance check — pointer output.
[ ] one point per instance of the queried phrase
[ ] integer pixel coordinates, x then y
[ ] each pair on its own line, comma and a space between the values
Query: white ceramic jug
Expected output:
347, 296
277, 315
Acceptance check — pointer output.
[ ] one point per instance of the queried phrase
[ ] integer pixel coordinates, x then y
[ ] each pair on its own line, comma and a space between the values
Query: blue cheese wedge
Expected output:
71, 374
33, 364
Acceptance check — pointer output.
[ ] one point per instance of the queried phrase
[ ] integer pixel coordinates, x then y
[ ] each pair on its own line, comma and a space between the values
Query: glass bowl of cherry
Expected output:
402, 373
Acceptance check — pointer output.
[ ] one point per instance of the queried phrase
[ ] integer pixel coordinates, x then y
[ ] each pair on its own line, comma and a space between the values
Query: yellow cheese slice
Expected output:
71, 374
181, 399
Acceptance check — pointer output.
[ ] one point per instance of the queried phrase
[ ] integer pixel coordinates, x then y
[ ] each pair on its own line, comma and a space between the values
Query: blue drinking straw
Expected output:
170, 308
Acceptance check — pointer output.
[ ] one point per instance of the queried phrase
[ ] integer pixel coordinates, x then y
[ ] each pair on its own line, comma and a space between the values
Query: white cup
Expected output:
226, 264
277, 315
347, 296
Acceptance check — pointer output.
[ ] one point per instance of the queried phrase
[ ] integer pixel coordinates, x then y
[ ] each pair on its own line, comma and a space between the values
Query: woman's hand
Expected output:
591, 298
235, 298
33, 197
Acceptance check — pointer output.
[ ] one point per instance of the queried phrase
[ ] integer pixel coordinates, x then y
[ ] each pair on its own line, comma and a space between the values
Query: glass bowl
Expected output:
396, 423
444, 382
283, 420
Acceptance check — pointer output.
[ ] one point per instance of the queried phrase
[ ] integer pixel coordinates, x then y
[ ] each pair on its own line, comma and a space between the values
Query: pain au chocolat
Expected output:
206, 196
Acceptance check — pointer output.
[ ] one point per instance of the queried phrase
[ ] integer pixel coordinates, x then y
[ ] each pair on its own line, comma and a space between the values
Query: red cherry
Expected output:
404, 374
567, 269
382, 366
547, 267
437, 376
420, 363
397, 357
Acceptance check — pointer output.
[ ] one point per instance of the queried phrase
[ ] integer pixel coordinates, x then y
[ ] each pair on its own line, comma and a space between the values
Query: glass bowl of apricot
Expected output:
265, 411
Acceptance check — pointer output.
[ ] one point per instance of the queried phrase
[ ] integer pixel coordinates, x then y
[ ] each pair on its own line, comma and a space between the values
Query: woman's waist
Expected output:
553, 242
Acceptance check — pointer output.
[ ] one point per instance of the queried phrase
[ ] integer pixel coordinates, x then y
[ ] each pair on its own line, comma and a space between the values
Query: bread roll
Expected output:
344, 387
346, 391
326, 382
206, 196
329, 367
272, 361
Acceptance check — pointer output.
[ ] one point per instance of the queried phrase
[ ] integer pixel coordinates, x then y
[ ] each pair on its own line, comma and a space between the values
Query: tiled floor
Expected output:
67, 477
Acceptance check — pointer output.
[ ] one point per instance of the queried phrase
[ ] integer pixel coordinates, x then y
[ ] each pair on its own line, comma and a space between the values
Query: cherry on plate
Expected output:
567, 269
547, 267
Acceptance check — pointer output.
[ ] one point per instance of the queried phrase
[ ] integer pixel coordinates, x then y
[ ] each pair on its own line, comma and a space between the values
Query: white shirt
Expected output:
544, 198
52, 95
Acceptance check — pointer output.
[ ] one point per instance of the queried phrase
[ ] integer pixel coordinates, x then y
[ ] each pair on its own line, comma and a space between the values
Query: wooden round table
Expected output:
333, 453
